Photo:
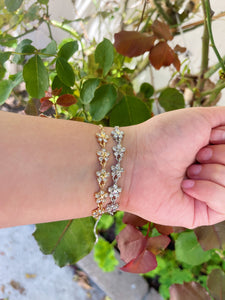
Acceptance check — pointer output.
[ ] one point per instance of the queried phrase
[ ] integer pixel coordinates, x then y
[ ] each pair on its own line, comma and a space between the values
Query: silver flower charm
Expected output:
112, 208
118, 152
116, 172
117, 134
114, 192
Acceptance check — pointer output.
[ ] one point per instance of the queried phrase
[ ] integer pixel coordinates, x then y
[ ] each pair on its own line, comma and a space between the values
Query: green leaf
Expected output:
104, 99
189, 251
16, 78
13, 5
129, 111
43, 1
5, 90
58, 84
104, 55
104, 255
32, 13
147, 89
216, 284
171, 99
68, 241
4, 56
88, 90
105, 222
68, 49
51, 48
36, 77
6, 86
7, 40
172, 276
65, 71
23, 47
2, 4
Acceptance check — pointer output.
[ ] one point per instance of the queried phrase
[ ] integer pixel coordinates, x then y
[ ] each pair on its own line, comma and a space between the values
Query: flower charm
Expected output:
103, 157
114, 192
102, 177
117, 134
102, 138
101, 196
118, 152
112, 208
97, 212
116, 172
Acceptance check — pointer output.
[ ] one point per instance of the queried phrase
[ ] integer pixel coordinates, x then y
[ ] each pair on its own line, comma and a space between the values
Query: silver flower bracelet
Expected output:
113, 192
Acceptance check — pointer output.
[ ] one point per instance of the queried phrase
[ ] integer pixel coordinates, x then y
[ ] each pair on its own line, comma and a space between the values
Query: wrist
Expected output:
128, 164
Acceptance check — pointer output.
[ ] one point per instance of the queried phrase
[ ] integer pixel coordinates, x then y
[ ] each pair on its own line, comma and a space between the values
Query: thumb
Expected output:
217, 135
214, 115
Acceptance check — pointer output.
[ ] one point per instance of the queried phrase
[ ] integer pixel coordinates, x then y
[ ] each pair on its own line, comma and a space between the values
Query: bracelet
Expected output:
102, 175
116, 172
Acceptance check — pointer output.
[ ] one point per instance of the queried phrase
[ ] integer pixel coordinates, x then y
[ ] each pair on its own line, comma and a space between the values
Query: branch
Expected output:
48, 23
205, 52
215, 90
161, 11
208, 20
66, 28
213, 69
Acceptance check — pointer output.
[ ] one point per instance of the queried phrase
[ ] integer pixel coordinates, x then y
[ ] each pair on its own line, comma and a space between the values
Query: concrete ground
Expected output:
27, 274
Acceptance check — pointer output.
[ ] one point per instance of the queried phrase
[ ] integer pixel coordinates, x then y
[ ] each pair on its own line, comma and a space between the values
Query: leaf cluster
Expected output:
94, 84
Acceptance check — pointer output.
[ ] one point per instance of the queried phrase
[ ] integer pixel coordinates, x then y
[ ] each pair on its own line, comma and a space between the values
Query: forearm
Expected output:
48, 169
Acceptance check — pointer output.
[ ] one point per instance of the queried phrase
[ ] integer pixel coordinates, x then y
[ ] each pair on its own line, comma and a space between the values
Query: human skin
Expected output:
167, 145
48, 168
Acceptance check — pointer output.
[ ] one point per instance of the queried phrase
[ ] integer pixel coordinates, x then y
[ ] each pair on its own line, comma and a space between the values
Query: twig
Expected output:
122, 25
162, 12
142, 14
205, 52
66, 28
197, 24
24, 33
215, 90
48, 24
213, 69
208, 20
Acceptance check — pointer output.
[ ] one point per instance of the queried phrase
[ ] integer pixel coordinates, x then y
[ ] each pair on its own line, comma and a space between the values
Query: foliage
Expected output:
61, 239
93, 82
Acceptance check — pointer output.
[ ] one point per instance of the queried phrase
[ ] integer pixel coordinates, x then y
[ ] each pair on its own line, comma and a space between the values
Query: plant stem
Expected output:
24, 33
142, 15
122, 25
213, 69
48, 24
205, 52
141, 66
215, 90
208, 20
161, 11
66, 28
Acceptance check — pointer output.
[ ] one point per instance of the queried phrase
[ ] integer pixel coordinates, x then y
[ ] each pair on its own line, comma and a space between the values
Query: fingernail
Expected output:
187, 183
206, 154
217, 135
194, 169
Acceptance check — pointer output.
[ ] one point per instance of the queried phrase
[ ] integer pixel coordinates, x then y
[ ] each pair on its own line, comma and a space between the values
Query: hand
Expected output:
167, 145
